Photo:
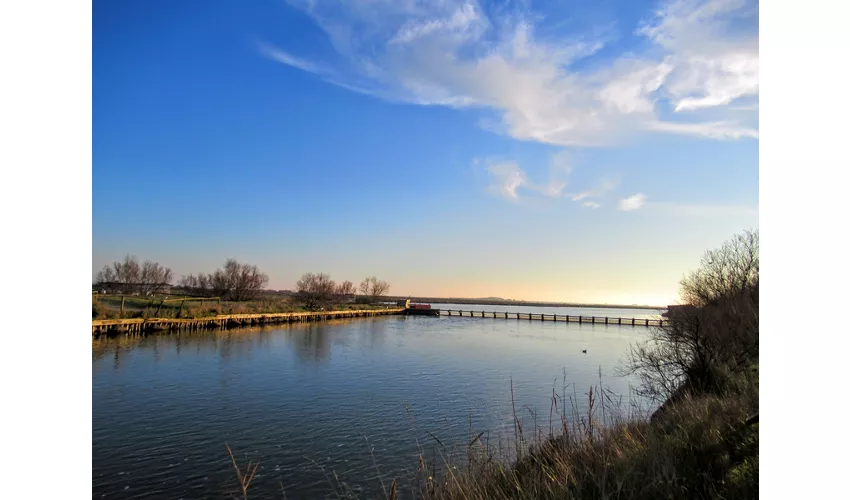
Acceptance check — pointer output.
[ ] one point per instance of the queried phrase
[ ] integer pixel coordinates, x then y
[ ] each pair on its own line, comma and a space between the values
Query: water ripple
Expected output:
351, 398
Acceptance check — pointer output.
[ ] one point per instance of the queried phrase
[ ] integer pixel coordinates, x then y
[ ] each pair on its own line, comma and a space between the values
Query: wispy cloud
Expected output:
604, 186
702, 55
633, 202
507, 179
280, 56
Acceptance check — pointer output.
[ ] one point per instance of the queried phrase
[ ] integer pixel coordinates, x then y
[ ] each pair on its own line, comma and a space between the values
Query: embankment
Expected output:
136, 326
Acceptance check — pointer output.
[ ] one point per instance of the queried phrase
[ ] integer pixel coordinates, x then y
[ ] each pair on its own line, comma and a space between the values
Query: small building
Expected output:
422, 309
403, 303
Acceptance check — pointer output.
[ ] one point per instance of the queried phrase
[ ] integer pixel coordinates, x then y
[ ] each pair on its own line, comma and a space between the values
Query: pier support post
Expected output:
579, 319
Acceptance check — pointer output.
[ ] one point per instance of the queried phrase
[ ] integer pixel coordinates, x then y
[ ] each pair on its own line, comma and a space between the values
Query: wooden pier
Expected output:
566, 318
151, 325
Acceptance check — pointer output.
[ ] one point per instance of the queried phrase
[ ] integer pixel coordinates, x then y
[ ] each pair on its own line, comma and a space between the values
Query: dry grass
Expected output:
700, 448
245, 477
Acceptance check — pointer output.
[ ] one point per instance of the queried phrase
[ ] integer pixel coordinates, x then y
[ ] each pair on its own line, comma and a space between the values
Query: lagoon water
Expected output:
325, 406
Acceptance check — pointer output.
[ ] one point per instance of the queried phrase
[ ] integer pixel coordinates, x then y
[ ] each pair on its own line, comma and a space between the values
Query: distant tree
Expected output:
373, 289
196, 285
315, 289
233, 282
131, 277
346, 290
716, 333
154, 277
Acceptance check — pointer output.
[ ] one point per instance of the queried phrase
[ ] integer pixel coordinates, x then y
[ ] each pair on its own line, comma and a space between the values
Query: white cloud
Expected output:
703, 55
713, 130
633, 202
712, 64
507, 179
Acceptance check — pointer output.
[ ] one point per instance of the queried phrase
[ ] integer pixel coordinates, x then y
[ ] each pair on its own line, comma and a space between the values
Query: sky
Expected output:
555, 151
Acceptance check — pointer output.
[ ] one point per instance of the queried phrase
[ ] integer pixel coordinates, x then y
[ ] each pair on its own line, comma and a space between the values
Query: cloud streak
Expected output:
702, 58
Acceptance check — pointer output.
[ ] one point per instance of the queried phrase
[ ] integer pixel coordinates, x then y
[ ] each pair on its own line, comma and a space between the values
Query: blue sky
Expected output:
576, 151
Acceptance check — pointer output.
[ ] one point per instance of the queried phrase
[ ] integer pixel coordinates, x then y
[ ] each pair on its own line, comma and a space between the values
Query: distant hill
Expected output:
508, 302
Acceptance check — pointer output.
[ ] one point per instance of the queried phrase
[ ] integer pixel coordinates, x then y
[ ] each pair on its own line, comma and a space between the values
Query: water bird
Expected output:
584, 351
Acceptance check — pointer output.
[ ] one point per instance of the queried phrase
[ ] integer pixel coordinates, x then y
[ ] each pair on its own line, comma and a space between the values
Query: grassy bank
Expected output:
174, 306
701, 447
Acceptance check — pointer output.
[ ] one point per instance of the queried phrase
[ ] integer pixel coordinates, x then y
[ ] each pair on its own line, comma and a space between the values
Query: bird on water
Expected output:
584, 351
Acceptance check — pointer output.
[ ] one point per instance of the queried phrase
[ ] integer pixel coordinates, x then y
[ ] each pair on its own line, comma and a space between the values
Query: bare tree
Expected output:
715, 334
373, 288
196, 285
724, 272
246, 281
315, 289
154, 277
345, 290
234, 282
131, 277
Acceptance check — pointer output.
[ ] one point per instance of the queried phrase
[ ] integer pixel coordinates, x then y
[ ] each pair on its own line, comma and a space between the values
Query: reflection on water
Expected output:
313, 399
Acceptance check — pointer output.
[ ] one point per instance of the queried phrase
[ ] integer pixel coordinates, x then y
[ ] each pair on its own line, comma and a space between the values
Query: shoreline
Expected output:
137, 326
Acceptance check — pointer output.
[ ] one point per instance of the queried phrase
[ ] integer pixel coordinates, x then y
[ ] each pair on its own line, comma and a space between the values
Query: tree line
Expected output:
318, 289
234, 281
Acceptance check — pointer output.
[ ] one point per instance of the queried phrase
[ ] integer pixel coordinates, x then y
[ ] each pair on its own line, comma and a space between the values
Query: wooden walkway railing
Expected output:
567, 318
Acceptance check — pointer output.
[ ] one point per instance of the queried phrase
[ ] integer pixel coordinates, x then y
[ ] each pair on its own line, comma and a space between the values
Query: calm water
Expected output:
572, 311
351, 398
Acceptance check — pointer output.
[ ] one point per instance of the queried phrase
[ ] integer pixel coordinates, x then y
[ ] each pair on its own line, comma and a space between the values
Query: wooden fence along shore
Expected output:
141, 325
593, 320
